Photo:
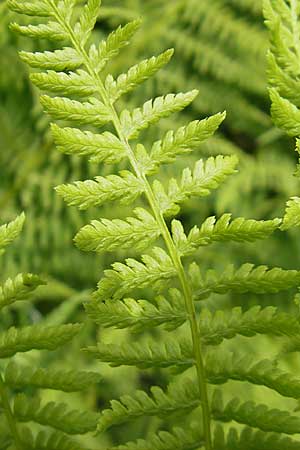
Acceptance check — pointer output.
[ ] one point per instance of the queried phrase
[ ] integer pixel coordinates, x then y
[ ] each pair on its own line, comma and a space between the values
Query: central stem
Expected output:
189, 303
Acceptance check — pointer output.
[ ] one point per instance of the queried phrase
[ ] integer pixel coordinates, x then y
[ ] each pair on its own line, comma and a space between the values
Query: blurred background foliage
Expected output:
220, 49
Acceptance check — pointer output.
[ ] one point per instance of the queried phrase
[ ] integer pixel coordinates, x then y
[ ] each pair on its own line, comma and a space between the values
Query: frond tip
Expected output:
292, 214
18, 288
205, 177
9, 232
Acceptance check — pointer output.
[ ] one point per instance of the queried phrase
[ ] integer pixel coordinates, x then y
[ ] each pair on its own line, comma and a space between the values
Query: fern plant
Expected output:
284, 56
20, 403
82, 95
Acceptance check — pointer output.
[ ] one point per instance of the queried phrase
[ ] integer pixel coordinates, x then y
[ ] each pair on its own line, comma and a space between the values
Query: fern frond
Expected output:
192, 438
179, 438
18, 377
287, 86
152, 111
18, 288
51, 31
256, 416
184, 140
87, 21
139, 314
155, 270
65, 59
136, 75
222, 230
292, 214
250, 439
285, 114
93, 112
247, 278
9, 232
100, 147
35, 337
48, 440
183, 397
214, 328
116, 40
283, 32
56, 415
110, 235
84, 194
222, 366
29, 8
74, 83
159, 268
147, 354
205, 177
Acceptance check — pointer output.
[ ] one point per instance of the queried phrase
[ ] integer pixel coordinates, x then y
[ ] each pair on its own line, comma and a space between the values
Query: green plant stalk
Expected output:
9, 415
189, 303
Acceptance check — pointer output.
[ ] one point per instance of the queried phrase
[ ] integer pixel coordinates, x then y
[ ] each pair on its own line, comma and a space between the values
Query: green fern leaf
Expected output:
139, 314
18, 288
214, 328
152, 111
222, 230
115, 42
74, 83
48, 440
184, 140
88, 19
204, 178
35, 337
285, 114
258, 416
91, 113
100, 147
223, 366
292, 214
284, 31
31, 9
155, 270
287, 86
247, 278
179, 397
146, 354
192, 439
59, 60
84, 194
250, 439
51, 31
110, 235
56, 415
9, 232
136, 75
179, 438
18, 377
